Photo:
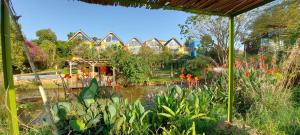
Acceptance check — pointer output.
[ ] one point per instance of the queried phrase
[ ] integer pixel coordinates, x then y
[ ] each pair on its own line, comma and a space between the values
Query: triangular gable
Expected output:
134, 42
151, 40
113, 37
170, 41
80, 34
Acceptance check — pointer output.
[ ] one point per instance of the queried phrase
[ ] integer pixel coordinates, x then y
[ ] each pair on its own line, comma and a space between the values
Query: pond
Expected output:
30, 105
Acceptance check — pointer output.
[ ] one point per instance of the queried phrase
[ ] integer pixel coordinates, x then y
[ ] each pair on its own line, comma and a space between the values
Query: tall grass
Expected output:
269, 101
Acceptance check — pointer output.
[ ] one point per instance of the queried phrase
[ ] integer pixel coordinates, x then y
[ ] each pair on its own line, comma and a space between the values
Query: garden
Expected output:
162, 92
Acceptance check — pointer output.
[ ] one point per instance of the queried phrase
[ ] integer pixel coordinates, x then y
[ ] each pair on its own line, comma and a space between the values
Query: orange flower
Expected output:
197, 78
189, 77
182, 76
238, 63
78, 79
206, 70
223, 65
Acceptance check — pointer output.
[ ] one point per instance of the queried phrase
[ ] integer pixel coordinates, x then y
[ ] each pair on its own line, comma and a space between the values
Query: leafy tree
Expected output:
70, 34
217, 27
149, 57
46, 34
86, 52
63, 49
133, 69
206, 43
166, 55
18, 56
49, 48
282, 17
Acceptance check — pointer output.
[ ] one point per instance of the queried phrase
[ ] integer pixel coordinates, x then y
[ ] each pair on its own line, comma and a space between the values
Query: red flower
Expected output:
269, 71
247, 73
263, 58
67, 76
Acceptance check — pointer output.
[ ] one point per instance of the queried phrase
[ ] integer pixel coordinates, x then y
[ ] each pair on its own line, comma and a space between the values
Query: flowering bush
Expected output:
34, 51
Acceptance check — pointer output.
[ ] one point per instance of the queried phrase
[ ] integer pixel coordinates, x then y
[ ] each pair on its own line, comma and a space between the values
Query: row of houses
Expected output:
133, 44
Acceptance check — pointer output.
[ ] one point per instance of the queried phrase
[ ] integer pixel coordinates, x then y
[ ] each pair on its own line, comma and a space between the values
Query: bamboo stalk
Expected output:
230, 69
7, 69
37, 80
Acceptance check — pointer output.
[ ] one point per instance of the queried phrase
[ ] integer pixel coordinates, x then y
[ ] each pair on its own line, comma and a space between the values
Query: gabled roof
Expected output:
155, 39
111, 33
211, 7
136, 39
80, 32
173, 39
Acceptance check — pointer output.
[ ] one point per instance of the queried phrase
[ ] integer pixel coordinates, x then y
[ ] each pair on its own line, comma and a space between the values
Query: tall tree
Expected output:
217, 27
18, 57
49, 48
46, 34
206, 44
284, 17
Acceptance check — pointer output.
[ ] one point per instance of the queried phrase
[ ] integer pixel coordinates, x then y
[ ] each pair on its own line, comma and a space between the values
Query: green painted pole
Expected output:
7, 69
230, 69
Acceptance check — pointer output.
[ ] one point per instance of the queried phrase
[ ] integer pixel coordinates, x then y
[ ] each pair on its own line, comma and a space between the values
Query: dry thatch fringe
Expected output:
215, 7
290, 70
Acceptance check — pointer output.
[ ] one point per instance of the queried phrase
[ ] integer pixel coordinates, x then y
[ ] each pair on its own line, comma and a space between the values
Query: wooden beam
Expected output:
248, 8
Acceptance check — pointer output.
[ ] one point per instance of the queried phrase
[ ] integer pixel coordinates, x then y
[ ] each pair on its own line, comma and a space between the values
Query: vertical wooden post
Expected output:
230, 69
56, 70
70, 66
7, 69
114, 77
93, 70
172, 72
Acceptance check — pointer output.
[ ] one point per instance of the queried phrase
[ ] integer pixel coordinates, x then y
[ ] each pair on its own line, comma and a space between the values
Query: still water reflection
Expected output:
30, 106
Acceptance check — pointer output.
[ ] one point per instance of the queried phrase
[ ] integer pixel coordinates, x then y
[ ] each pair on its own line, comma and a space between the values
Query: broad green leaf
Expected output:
143, 116
112, 110
169, 110
193, 129
105, 118
119, 123
77, 125
178, 89
115, 99
89, 92
198, 115
132, 118
165, 114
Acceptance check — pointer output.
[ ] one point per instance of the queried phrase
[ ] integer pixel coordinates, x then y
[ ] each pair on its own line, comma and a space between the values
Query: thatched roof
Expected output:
215, 7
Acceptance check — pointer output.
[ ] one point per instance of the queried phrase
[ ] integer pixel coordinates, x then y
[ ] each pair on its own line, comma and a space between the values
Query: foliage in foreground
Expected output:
175, 111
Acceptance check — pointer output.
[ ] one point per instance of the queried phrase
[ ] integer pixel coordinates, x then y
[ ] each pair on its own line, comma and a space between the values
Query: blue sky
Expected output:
64, 16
